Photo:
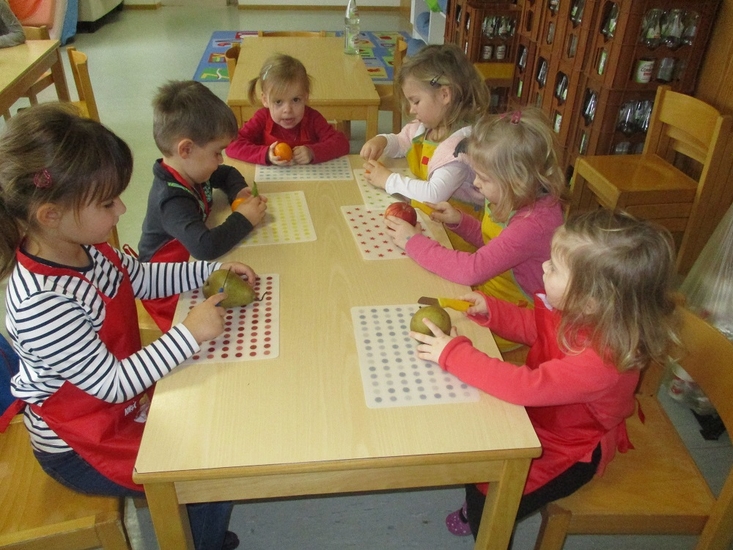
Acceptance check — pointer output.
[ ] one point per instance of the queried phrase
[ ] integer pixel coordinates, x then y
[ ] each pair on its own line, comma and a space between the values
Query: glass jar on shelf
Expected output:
610, 20
651, 29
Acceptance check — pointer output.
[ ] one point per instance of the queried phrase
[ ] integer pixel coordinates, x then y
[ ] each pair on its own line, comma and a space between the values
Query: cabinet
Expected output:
487, 32
427, 25
594, 65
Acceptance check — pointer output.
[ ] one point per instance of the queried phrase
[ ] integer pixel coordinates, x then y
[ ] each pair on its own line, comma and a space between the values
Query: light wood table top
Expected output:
342, 88
22, 65
298, 424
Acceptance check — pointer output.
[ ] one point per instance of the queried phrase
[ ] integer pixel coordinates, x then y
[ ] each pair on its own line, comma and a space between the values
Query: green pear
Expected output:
436, 314
238, 291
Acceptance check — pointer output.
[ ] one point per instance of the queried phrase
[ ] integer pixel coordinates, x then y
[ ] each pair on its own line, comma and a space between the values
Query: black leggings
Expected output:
563, 485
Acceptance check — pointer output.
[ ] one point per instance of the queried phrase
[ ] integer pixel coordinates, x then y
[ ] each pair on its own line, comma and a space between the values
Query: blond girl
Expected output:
286, 118
605, 314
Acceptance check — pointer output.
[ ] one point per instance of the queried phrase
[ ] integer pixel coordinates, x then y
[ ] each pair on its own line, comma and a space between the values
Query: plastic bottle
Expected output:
351, 28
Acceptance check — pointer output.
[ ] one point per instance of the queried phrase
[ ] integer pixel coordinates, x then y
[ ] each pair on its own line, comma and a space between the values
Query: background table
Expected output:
298, 424
22, 65
342, 88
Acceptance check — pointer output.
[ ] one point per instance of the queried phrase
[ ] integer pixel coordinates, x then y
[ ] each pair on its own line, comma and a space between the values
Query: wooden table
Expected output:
22, 65
342, 88
298, 424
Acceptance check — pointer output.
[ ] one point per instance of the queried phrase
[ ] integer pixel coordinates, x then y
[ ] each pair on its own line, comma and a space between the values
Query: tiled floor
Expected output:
129, 57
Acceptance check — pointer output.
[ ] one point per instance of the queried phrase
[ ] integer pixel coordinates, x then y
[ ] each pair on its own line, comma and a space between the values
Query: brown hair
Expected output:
518, 151
619, 296
184, 109
446, 65
50, 154
279, 73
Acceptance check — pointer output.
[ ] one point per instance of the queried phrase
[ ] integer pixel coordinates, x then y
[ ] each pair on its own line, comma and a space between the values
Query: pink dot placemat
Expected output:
287, 221
391, 372
251, 332
376, 198
372, 239
336, 169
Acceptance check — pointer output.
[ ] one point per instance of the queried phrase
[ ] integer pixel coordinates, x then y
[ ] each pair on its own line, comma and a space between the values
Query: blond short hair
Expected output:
518, 150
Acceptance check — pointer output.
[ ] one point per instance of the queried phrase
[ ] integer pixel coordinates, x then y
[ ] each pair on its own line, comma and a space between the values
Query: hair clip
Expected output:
42, 179
434, 80
516, 117
264, 73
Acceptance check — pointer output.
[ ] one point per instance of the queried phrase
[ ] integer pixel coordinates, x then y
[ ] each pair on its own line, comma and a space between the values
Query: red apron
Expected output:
163, 309
107, 435
558, 454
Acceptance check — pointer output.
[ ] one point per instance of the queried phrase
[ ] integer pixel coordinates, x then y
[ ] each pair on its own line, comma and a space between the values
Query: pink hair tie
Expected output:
42, 179
516, 117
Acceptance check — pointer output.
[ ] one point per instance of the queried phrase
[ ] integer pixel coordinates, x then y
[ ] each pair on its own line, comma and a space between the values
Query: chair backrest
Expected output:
306, 34
36, 33
398, 58
80, 70
707, 356
683, 125
232, 56
692, 136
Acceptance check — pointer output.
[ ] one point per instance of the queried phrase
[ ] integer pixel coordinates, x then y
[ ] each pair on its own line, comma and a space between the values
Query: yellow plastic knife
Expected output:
453, 303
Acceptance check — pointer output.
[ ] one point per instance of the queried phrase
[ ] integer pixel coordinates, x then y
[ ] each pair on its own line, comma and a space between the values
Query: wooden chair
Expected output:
232, 57
390, 94
80, 69
46, 80
292, 33
40, 513
686, 137
656, 487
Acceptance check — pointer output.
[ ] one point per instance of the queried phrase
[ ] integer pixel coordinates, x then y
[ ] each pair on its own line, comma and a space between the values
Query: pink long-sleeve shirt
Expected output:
523, 245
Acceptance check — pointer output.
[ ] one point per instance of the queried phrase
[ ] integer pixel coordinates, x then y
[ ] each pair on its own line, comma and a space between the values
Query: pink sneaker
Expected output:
457, 522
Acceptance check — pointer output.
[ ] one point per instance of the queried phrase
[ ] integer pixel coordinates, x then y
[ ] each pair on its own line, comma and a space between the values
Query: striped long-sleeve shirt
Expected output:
54, 323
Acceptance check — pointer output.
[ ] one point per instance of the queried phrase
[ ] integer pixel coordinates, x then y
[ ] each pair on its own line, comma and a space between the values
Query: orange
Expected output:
237, 202
283, 151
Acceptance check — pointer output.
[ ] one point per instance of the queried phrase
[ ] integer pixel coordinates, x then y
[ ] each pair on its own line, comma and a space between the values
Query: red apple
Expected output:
403, 211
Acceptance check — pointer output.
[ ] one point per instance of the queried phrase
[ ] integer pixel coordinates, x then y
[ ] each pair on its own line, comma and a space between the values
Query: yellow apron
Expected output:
418, 156
502, 286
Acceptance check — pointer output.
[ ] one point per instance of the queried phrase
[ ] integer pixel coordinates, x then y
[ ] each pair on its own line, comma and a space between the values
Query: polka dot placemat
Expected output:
336, 169
370, 234
250, 333
391, 373
376, 198
287, 220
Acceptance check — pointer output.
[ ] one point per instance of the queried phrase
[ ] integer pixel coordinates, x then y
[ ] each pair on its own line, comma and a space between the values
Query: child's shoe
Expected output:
457, 522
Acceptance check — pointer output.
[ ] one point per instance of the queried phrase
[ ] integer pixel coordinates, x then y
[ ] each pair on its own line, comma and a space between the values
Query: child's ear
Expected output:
263, 99
48, 215
445, 94
184, 148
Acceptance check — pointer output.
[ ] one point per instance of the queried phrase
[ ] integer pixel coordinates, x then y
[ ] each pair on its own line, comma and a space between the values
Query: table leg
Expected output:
372, 122
502, 502
170, 519
59, 78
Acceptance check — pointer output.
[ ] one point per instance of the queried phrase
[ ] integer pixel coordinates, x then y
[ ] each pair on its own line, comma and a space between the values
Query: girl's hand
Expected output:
302, 155
432, 346
273, 158
373, 148
205, 321
478, 302
253, 208
444, 212
376, 173
244, 271
400, 230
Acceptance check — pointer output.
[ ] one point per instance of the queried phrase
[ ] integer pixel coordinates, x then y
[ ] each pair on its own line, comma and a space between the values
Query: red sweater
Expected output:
574, 401
260, 131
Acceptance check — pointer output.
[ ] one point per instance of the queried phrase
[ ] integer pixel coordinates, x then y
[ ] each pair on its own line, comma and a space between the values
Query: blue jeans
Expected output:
209, 521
